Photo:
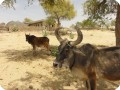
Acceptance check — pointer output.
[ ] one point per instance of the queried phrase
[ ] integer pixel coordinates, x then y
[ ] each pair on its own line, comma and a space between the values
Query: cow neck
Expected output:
71, 66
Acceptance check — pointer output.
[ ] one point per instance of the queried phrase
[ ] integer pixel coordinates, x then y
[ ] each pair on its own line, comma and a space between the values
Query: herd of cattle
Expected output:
87, 61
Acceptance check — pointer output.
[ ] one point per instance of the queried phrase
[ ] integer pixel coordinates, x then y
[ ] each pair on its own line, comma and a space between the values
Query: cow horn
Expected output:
58, 35
79, 38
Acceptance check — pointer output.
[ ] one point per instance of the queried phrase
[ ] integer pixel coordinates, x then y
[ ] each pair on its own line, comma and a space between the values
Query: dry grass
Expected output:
21, 70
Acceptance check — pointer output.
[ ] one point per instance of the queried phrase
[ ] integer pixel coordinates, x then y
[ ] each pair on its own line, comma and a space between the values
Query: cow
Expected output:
37, 41
88, 62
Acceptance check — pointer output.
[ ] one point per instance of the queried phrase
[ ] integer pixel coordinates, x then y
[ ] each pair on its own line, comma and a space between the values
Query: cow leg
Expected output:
87, 84
47, 46
92, 84
92, 80
34, 50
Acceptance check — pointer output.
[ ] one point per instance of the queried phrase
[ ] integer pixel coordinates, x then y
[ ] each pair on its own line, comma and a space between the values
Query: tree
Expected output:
113, 23
103, 23
88, 23
98, 9
50, 22
62, 9
26, 20
10, 3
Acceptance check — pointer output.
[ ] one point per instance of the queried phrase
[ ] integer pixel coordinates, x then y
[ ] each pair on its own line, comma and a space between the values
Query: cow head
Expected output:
27, 36
66, 48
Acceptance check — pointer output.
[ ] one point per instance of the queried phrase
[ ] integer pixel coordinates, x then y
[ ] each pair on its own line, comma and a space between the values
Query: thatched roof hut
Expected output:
15, 25
3, 27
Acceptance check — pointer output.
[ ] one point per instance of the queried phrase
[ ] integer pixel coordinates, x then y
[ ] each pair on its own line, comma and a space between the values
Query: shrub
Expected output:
54, 50
71, 35
63, 31
44, 33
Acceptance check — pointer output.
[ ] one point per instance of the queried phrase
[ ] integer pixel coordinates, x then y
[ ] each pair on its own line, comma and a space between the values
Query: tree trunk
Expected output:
117, 26
59, 24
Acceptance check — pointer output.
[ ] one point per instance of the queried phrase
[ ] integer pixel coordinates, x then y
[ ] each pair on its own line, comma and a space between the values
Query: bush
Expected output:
44, 33
63, 31
71, 35
54, 50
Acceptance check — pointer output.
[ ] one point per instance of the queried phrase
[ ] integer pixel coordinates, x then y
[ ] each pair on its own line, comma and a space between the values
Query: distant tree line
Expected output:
92, 24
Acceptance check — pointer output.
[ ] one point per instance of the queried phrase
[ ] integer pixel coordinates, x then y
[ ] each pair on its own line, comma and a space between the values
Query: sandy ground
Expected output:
21, 70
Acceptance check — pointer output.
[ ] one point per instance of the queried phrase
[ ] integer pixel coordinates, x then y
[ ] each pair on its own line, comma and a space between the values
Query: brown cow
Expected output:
37, 41
87, 62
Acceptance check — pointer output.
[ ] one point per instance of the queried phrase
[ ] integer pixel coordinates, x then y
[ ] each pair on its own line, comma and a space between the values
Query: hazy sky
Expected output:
35, 12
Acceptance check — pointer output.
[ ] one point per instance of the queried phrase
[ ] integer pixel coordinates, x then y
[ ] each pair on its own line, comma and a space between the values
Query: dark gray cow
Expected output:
87, 62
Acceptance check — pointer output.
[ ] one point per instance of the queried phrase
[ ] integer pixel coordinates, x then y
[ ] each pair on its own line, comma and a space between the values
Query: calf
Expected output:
37, 41
87, 62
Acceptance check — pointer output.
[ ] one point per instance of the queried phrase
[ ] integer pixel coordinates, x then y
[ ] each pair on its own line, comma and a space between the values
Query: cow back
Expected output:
37, 40
108, 63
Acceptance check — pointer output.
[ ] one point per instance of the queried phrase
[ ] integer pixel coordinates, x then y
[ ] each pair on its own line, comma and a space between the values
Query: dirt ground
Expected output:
21, 70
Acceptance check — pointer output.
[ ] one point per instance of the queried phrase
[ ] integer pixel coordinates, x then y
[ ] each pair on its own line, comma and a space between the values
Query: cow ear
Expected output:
78, 52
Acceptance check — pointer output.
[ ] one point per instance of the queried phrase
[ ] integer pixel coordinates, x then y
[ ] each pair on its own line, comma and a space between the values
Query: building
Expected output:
41, 24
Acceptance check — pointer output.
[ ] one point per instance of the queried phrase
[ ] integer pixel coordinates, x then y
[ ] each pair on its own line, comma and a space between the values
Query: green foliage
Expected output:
44, 33
54, 50
61, 10
104, 23
10, 3
27, 20
78, 24
50, 21
97, 9
113, 23
94, 24
88, 23
51, 2
71, 35
63, 31
72, 26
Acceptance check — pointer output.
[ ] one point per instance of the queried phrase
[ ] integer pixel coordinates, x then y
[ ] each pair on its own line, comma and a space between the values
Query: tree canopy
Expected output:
88, 23
50, 21
113, 22
27, 20
60, 10
98, 9
10, 3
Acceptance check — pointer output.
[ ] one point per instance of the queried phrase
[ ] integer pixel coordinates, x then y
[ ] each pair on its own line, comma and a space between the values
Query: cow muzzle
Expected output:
56, 64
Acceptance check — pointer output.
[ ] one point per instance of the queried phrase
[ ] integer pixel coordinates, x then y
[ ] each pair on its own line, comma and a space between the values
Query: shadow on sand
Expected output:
26, 55
59, 81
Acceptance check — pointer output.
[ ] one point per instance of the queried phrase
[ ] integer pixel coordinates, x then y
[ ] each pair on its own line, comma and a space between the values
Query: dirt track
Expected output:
20, 70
